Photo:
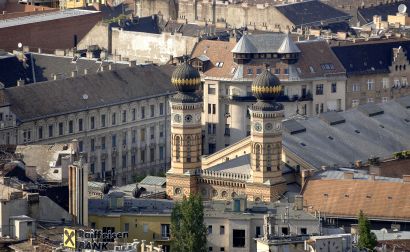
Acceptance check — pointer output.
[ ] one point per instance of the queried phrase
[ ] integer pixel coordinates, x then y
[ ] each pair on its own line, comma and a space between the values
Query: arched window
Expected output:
257, 156
269, 158
177, 147
188, 149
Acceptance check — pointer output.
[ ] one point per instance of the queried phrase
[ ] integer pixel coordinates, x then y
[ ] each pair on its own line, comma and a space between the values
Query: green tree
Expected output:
367, 239
188, 231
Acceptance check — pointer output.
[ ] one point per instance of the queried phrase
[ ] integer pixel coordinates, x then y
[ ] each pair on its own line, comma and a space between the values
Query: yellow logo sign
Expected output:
69, 238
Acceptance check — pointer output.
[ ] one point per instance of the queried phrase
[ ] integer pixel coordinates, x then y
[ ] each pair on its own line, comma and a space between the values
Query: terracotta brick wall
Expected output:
49, 35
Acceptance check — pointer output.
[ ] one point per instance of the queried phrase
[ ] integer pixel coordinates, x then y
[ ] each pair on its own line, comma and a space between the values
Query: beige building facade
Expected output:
121, 127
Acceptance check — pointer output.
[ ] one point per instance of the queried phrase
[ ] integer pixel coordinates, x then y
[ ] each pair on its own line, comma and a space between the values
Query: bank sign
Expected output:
93, 239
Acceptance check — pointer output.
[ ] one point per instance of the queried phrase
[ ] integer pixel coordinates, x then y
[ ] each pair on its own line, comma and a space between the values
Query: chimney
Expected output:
406, 179
110, 67
39, 50
20, 83
74, 73
85, 71
348, 175
299, 202
102, 68
132, 63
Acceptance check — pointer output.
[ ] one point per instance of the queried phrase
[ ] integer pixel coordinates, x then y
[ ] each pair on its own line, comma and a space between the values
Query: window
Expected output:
227, 130
211, 148
103, 168
50, 130
210, 249
165, 231
213, 109
222, 249
355, 103
370, 84
258, 71
124, 139
258, 232
92, 144
321, 108
328, 66
134, 114
404, 81
334, 87
303, 231
152, 109
114, 140
92, 167
152, 132
40, 132
60, 129
124, 161
102, 121
238, 238
92, 122
145, 227
210, 229
277, 71
134, 136
317, 108
113, 119
161, 108
211, 89
161, 131
142, 112
221, 230
161, 153
212, 128
126, 227
80, 124
142, 156
133, 160
142, 134
103, 143
356, 88
286, 70
250, 71
285, 231
124, 116
385, 83
319, 89
209, 108
81, 146
27, 135
70, 127
396, 83
151, 155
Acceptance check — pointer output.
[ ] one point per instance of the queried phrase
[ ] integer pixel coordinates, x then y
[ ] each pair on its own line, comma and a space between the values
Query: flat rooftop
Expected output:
43, 17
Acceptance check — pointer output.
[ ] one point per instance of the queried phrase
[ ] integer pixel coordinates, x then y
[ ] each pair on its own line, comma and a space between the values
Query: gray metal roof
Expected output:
44, 17
370, 109
404, 101
293, 127
239, 165
357, 175
103, 89
266, 43
359, 138
153, 180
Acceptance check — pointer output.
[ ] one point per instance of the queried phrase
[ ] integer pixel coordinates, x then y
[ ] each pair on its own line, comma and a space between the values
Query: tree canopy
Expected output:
188, 231
367, 239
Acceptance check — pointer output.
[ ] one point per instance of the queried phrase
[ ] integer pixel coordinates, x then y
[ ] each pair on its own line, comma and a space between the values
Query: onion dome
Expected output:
186, 78
266, 86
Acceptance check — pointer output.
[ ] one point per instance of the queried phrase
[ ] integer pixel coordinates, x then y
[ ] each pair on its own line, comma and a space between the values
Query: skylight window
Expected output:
327, 66
330, 137
357, 131
311, 69
303, 144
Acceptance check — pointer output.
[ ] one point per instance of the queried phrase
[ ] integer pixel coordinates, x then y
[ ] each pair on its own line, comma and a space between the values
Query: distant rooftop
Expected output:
341, 138
365, 15
44, 17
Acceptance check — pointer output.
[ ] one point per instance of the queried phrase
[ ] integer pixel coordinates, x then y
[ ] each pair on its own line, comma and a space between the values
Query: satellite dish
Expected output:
85, 96
402, 8
20, 45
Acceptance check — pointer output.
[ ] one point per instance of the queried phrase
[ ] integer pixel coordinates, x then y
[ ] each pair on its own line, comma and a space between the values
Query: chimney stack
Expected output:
132, 63
74, 73
85, 71
348, 175
20, 83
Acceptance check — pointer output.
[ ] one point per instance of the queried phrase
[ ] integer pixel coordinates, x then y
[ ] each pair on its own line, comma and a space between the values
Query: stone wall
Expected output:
98, 35
144, 47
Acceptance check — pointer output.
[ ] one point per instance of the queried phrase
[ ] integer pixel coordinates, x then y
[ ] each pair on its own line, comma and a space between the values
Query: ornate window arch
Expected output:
257, 156
269, 157
188, 148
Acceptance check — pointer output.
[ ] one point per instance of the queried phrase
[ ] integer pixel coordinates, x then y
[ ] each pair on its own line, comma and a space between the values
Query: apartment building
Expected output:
118, 117
312, 77
377, 71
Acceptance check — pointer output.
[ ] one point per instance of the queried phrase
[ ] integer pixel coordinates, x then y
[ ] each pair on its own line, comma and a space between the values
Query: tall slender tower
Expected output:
186, 132
266, 139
